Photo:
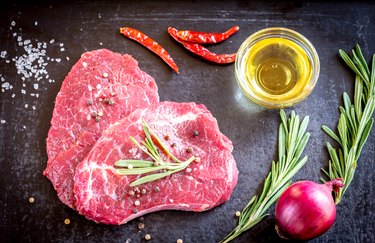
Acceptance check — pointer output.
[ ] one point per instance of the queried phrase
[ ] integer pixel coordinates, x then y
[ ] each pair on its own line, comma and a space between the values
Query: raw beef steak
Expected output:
101, 88
106, 197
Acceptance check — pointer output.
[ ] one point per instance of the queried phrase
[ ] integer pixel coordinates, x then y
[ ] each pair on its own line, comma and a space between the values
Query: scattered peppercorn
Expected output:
196, 133
189, 150
167, 137
89, 102
31, 200
111, 102
135, 210
97, 119
143, 191
67, 221
94, 114
106, 101
238, 213
137, 190
173, 145
141, 226
157, 189
147, 237
179, 241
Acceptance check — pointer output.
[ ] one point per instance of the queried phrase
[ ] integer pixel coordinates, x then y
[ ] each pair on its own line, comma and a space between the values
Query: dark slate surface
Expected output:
81, 27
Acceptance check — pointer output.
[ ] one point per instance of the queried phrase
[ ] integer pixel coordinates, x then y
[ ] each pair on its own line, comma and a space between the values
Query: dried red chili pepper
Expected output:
149, 44
205, 38
203, 52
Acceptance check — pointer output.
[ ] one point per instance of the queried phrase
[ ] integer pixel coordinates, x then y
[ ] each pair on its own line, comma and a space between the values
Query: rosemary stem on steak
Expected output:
140, 167
355, 122
291, 143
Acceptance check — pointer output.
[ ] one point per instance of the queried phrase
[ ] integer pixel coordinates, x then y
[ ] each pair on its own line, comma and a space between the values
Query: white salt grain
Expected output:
26, 105
84, 64
67, 58
58, 59
36, 23
52, 41
5, 85
61, 44
3, 54
13, 23
23, 91
24, 127
33, 107
19, 38
3, 121
36, 86
62, 49
101, 43
13, 95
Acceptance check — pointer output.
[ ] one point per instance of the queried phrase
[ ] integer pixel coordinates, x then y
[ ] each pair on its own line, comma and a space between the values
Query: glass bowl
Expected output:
267, 93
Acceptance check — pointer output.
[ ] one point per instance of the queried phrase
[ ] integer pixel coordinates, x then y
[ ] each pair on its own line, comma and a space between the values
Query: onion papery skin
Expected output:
306, 210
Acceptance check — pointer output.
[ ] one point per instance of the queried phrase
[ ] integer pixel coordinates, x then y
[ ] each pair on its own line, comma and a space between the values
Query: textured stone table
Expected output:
69, 29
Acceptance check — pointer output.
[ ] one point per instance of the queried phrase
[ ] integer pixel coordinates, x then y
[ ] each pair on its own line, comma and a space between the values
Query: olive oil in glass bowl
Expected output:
277, 67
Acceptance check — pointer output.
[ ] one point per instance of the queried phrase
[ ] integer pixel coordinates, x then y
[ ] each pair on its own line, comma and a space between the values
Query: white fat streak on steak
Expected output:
103, 196
99, 76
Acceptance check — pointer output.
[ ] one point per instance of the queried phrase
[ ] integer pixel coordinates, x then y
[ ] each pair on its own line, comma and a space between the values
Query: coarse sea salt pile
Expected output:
31, 65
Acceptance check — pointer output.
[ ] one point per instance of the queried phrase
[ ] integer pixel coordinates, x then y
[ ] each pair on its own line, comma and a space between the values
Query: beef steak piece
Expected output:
101, 88
106, 197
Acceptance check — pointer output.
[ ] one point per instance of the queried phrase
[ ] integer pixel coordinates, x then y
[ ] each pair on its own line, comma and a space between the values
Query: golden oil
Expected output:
277, 68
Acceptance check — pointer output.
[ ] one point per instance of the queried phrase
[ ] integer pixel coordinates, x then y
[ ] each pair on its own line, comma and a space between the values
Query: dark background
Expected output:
82, 26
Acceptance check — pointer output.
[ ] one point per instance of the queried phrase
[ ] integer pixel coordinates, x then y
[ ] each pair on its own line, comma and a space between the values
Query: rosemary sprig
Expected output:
139, 167
355, 122
291, 143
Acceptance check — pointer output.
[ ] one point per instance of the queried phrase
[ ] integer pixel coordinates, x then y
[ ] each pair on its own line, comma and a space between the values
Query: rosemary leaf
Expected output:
365, 134
157, 176
140, 171
358, 90
350, 63
134, 163
331, 134
362, 59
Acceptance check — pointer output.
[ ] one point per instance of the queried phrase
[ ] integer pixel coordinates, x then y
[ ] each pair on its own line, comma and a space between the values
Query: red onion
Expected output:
306, 210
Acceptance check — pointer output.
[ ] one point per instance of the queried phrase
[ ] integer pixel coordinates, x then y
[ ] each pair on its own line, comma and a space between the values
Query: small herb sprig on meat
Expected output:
140, 167
355, 122
291, 143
